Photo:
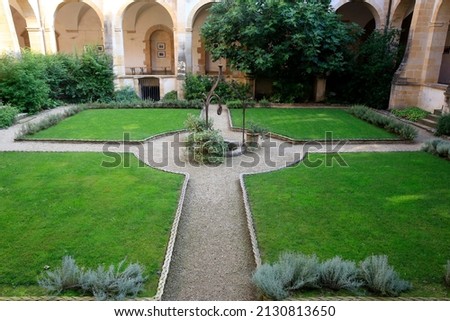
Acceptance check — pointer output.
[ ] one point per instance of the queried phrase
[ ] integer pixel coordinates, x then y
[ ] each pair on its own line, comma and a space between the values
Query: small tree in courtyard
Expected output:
289, 41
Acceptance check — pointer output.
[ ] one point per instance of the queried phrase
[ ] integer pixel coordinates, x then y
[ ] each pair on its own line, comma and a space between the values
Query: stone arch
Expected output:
202, 63
362, 13
440, 45
26, 24
78, 24
140, 19
196, 10
119, 17
90, 3
372, 6
159, 50
400, 12
26, 11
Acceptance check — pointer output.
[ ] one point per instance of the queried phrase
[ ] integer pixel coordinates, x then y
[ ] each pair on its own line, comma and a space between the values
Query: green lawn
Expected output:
57, 204
311, 123
396, 204
112, 124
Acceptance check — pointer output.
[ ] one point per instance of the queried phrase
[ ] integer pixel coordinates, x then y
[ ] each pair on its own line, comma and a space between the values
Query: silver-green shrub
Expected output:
379, 277
437, 147
105, 284
63, 278
367, 114
443, 149
337, 274
291, 272
270, 279
303, 270
113, 283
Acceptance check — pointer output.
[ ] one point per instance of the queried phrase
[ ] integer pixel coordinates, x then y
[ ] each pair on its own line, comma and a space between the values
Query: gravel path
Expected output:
212, 258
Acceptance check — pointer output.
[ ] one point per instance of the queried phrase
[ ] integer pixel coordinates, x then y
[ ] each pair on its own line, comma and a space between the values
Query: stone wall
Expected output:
134, 33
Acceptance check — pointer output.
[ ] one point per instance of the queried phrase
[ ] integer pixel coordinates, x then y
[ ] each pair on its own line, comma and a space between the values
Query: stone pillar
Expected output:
188, 50
180, 47
406, 83
435, 48
36, 39
447, 98
8, 37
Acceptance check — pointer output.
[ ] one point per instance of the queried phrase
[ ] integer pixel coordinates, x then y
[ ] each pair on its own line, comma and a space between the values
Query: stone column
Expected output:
180, 47
407, 81
8, 37
36, 36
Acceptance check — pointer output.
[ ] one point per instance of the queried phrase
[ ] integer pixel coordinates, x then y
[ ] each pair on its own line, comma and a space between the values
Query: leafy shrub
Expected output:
264, 103
105, 284
63, 278
32, 81
403, 130
61, 78
292, 272
7, 115
94, 76
337, 274
197, 86
379, 277
443, 126
22, 82
370, 67
126, 95
113, 283
234, 104
197, 124
206, 147
410, 113
204, 144
447, 274
437, 147
171, 95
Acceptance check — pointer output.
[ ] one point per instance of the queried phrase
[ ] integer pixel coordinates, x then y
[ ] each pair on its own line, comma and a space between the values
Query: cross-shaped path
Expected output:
212, 258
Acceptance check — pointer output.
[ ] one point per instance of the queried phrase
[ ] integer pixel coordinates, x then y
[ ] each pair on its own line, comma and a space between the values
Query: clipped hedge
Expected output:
367, 114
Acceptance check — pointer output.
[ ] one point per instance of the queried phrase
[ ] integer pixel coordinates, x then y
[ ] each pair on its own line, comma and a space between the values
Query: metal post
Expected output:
243, 122
212, 94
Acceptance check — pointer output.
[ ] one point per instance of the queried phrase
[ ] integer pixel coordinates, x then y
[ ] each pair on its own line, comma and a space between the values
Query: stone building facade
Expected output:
155, 42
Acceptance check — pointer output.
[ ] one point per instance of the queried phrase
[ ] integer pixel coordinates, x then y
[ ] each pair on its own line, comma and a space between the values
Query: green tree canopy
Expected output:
280, 39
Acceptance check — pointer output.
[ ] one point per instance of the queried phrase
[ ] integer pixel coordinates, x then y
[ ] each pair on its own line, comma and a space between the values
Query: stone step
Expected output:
437, 112
428, 123
434, 118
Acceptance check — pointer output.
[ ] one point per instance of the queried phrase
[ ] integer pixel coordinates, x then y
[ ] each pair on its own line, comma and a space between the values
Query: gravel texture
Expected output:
212, 258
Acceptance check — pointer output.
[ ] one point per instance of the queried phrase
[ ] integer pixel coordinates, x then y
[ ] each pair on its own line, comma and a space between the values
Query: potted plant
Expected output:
253, 131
